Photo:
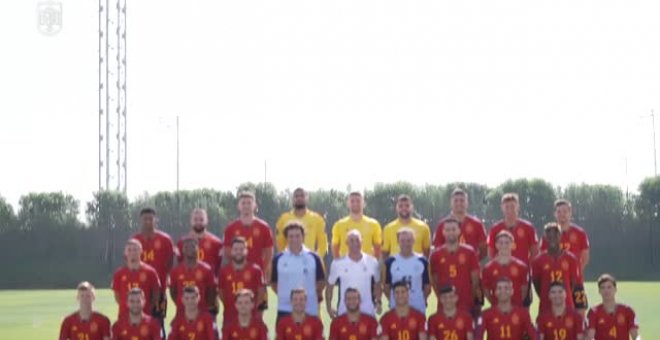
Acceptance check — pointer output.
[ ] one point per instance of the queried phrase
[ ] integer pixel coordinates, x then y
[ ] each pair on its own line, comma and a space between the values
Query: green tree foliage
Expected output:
7, 217
536, 199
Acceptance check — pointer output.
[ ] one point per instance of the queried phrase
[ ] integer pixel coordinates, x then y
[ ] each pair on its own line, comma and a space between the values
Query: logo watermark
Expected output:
49, 17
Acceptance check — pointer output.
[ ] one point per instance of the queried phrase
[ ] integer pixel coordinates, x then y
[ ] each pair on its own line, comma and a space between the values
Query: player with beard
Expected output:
473, 232
237, 276
316, 238
404, 210
246, 325
299, 325
353, 325
135, 324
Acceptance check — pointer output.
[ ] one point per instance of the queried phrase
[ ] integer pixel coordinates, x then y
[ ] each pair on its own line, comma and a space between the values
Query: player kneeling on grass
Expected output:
353, 324
450, 322
85, 323
505, 321
192, 322
246, 324
560, 322
403, 322
299, 325
135, 324
611, 320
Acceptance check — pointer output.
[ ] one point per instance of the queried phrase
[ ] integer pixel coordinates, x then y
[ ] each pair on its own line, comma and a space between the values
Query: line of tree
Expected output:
45, 245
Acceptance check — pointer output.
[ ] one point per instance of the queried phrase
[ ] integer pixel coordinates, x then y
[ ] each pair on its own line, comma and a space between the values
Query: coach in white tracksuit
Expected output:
355, 270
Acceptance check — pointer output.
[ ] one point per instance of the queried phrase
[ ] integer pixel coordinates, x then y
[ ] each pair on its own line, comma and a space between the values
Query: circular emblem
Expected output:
256, 232
93, 327
363, 329
123, 278
514, 271
469, 228
253, 333
620, 319
520, 232
200, 326
442, 260
496, 272
181, 277
515, 319
548, 325
144, 331
181, 329
461, 258
199, 275
143, 277
157, 244
207, 244
460, 324
572, 237
412, 323
564, 265
307, 330
247, 275
74, 328
569, 322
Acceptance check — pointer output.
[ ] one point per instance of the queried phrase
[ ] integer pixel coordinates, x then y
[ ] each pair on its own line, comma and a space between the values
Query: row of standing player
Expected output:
155, 243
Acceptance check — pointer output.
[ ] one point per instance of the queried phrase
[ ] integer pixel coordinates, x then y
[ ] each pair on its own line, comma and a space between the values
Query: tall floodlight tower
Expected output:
112, 96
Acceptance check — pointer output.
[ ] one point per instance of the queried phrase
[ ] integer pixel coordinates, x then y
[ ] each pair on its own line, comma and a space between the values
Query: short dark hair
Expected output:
147, 210
293, 225
401, 283
562, 201
191, 289
556, 284
352, 290
238, 240
606, 278
446, 289
136, 291
510, 197
458, 192
245, 292
551, 226
246, 194
355, 193
297, 291
404, 198
452, 220
85, 286
299, 190
504, 233
503, 279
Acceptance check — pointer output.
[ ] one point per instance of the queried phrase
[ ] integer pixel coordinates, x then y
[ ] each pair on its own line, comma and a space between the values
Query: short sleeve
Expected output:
377, 235
105, 327
333, 276
486, 277
268, 236
533, 238
536, 272
425, 275
474, 261
438, 237
279, 234
319, 330
155, 281
491, 240
481, 233
540, 325
115, 331
387, 239
585, 241
320, 274
375, 267
531, 332
64, 329
115, 282
579, 323
388, 271
155, 330
591, 319
373, 327
261, 280
632, 319
426, 237
210, 279
333, 330
524, 269
336, 234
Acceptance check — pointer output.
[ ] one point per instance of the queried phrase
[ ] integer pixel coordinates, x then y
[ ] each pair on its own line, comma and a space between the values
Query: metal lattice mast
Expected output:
112, 96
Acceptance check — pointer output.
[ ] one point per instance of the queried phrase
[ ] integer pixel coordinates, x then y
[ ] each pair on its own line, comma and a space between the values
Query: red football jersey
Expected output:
612, 326
547, 269
158, 252
524, 236
200, 275
210, 251
456, 328
456, 268
473, 233
147, 329
256, 330
508, 326
310, 329
574, 240
258, 236
403, 328
366, 328
144, 278
232, 280
566, 326
516, 270
199, 329
75, 328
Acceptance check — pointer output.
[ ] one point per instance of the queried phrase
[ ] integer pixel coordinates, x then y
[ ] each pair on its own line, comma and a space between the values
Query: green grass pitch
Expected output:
36, 314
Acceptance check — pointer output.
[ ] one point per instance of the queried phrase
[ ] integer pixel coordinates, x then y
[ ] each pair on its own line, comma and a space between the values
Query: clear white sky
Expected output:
337, 92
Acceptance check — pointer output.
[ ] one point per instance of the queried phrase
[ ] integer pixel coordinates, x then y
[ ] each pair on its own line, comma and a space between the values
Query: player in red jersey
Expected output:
611, 320
555, 265
526, 243
473, 232
210, 246
353, 324
403, 322
299, 325
505, 265
193, 322
450, 322
504, 321
135, 324
237, 275
158, 252
192, 272
246, 326
561, 323
85, 323
457, 265
136, 274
